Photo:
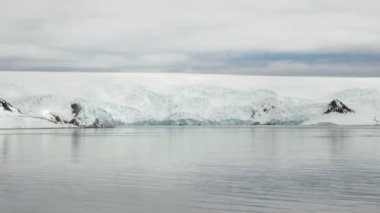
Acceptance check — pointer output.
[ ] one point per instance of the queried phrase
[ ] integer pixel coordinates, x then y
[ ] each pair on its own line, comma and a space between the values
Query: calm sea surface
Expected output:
190, 169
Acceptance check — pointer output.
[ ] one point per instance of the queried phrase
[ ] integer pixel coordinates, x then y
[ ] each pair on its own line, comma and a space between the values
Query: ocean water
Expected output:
190, 169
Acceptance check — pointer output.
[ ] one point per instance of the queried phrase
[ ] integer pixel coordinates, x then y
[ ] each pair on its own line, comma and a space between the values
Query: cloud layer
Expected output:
288, 37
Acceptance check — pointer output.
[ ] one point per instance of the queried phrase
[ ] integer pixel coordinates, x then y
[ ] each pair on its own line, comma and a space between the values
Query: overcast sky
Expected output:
265, 37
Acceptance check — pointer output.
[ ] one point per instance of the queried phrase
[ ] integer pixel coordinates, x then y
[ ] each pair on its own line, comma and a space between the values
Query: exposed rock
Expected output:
56, 118
7, 106
338, 107
264, 108
377, 122
76, 109
97, 124
74, 121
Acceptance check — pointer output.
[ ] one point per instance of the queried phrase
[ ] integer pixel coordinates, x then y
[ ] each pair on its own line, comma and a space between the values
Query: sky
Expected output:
253, 37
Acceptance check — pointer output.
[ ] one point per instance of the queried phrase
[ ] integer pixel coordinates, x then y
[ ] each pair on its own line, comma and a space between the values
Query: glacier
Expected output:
119, 99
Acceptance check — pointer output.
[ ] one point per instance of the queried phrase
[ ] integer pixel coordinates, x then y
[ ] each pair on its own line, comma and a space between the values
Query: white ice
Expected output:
189, 99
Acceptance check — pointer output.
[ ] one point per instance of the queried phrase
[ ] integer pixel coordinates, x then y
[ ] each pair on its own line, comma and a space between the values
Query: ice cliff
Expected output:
102, 99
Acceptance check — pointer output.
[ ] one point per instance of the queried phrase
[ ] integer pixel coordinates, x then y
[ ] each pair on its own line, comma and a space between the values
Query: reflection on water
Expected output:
188, 169
5, 149
75, 146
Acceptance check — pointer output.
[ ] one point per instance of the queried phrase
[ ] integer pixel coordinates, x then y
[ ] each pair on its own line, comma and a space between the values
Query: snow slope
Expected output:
11, 121
190, 99
11, 117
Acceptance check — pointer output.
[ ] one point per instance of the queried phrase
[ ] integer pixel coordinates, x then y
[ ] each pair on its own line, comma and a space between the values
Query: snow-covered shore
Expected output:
185, 99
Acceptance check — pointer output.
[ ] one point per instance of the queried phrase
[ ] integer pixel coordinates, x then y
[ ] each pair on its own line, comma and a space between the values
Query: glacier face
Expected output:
140, 106
190, 99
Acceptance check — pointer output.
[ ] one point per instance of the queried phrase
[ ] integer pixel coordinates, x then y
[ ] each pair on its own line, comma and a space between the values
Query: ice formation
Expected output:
115, 99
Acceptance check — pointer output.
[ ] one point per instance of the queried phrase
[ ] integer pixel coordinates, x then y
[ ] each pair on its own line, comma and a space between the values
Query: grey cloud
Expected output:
289, 37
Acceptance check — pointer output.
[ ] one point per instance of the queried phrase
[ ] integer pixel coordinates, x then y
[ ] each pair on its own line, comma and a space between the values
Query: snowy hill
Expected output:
189, 99
11, 117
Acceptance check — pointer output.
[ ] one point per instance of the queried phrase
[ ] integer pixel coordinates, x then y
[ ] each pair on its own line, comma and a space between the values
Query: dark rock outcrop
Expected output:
7, 106
76, 109
56, 118
265, 108
377, 122
338, 107
74, 121
97, 124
